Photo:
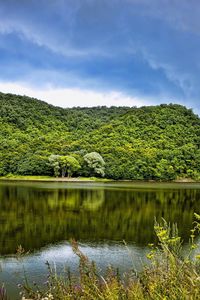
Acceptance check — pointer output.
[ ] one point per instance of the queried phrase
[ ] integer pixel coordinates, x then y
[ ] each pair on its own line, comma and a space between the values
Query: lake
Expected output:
42, 217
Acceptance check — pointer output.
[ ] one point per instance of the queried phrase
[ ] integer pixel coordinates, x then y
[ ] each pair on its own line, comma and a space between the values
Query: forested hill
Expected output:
154, 142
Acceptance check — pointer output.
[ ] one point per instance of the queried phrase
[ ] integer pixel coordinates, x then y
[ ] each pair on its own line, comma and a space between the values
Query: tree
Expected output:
54, 163
95, 164
69, 165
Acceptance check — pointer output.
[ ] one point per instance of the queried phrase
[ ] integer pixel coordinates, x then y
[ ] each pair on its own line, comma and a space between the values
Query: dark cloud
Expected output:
139, 47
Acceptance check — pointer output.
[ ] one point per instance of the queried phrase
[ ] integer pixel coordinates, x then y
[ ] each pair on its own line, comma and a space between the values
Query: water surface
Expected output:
42, 217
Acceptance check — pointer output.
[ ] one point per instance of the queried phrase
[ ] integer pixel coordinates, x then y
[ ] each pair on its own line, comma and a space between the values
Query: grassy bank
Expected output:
53, 179
169, 275
11, 177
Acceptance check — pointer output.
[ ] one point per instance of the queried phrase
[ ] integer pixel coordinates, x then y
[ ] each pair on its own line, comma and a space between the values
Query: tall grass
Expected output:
3, 294
169, 275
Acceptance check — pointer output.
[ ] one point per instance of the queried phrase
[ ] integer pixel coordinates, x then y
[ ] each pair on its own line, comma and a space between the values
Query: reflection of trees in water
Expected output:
36, 217
77, 199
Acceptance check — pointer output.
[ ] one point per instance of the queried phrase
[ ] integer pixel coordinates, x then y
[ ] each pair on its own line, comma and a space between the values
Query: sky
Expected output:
101, 52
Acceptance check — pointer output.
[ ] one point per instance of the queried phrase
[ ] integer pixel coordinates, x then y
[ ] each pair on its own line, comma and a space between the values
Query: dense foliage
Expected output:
155, 142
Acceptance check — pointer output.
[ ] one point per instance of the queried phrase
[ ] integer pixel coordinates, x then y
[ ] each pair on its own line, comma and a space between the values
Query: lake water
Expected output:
43, 217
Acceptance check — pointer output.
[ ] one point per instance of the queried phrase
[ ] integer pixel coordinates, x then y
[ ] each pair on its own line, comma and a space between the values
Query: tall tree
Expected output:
95, 164
69, 165
54, 163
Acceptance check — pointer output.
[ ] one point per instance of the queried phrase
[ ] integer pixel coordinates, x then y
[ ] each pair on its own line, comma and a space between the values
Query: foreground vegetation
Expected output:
155, 142
169, 275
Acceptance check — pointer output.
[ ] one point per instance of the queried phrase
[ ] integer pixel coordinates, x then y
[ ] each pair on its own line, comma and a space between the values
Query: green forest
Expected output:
147, 143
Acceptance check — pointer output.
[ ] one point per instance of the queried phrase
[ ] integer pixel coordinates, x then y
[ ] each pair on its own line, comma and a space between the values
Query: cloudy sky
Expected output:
101, 52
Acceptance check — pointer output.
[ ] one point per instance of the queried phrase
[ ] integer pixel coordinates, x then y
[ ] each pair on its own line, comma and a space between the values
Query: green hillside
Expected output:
155, 142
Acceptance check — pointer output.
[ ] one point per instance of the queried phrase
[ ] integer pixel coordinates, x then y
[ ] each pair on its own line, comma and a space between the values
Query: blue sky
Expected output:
100, 52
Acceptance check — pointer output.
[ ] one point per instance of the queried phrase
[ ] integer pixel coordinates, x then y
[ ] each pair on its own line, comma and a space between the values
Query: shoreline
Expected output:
89, 179
54, 179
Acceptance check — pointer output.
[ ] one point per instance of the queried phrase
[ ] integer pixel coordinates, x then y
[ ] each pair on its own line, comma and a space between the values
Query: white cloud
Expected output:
71, 97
